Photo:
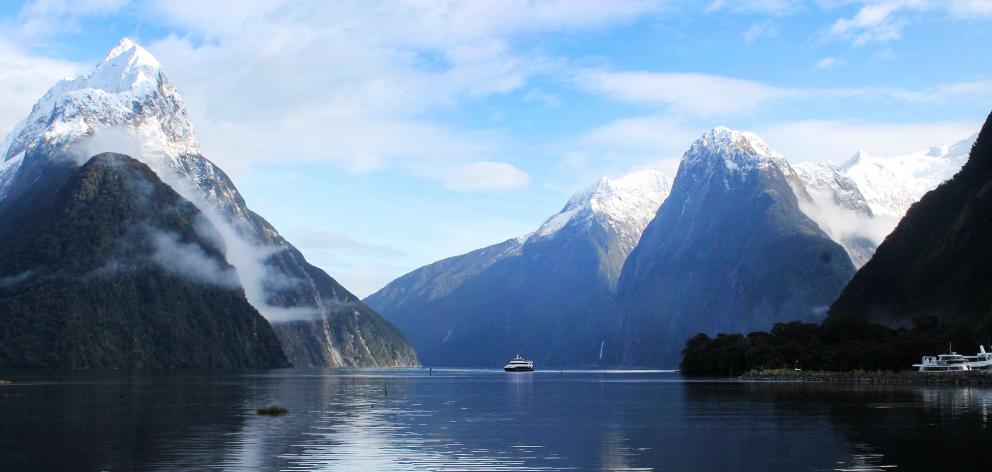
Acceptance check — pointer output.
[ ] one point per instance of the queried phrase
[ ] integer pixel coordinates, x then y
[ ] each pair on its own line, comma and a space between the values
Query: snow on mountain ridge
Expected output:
630, 201
127, 89
891, 184
739, 150
829, 181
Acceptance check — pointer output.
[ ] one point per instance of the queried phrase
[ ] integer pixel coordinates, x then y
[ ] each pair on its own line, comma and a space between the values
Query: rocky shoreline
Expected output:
975, 378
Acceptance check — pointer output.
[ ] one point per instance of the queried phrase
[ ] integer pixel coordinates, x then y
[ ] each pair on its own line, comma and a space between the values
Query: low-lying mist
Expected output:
231, 234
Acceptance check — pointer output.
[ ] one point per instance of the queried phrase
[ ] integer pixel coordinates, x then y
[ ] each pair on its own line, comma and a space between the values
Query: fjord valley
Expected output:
738, 242
622, 276
472, 235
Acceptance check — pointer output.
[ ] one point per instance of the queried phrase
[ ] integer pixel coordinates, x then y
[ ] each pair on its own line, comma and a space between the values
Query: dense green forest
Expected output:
114, 269
841, 344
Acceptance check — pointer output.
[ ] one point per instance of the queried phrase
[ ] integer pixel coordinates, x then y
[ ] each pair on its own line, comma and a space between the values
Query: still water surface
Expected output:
474, 420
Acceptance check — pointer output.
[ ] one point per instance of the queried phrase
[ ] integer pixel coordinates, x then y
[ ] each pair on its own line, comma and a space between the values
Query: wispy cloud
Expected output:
324, 239
709, 96
540, 96
837, 140
770, 7
364, 94
48, 17
872, 23
761, 29
24, 78
881, 21
827, 62
484, 175
693, 94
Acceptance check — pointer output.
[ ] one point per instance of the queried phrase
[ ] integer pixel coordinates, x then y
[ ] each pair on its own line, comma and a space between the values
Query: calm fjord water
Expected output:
405, 420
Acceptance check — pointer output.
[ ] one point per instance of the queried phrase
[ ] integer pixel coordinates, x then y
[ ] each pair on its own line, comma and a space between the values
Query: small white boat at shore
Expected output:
954, 362
518, 364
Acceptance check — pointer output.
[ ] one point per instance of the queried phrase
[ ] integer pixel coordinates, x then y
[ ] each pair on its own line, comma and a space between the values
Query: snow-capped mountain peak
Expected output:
126, 67
891, 184
127, 90
631, 201
736, 150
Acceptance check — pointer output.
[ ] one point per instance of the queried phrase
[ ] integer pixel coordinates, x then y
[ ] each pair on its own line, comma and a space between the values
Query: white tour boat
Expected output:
954, 362
518, 364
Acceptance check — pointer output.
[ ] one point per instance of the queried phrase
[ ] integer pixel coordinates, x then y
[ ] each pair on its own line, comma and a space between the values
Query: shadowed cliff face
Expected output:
729, 251
938, 260
113, 269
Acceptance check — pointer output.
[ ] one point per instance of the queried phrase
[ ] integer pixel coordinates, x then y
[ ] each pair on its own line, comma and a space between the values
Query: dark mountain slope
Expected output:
938, 260
128, 104
113, 269
729, 251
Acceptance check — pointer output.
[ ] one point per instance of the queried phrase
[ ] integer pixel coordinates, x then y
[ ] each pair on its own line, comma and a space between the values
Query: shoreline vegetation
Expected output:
838, 346
904, 377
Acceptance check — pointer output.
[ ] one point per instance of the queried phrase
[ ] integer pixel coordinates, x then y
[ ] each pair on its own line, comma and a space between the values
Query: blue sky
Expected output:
379, 137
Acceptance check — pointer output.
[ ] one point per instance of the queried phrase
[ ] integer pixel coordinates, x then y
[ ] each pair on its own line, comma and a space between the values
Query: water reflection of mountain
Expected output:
881, 427
115, 421
405, 420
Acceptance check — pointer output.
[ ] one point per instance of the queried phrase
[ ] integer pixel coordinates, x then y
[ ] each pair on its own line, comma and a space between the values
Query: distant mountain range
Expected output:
622, 275
127, 104
695, 271
548, 294
938, 261
860, 201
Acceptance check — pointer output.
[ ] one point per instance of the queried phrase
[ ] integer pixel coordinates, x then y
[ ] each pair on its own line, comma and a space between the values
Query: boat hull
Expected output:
518, 369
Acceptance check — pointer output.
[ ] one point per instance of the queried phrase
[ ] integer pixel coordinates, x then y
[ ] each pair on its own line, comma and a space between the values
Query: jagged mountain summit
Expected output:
892, 184
548, 294
938, 261
841, 210
859, 202
113, 269
729, 250
128, 104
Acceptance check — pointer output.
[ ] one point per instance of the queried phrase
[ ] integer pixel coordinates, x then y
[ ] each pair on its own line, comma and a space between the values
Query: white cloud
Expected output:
623, 146
883, 21
686, 95
317, 239
761, 29
693, 94
540, 96
484, 175
980, 90
769, 7
873, 23
359, 84
190, 261
970, 9
23, 79
826, 63
47, 17
658, 136
837, 141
